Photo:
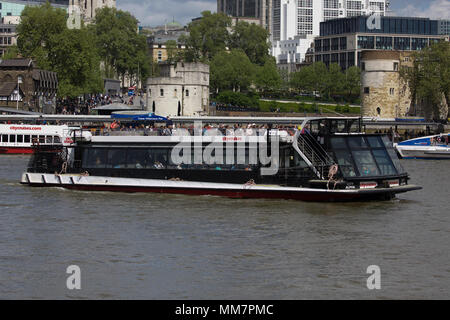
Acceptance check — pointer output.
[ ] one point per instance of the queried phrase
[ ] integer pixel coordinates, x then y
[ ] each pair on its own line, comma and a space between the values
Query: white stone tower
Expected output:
87, 8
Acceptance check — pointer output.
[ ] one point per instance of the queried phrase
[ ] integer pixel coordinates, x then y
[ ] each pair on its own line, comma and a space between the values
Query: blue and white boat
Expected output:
432, 147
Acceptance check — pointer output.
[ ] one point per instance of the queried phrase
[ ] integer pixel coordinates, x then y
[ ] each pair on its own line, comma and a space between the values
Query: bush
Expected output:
238, 99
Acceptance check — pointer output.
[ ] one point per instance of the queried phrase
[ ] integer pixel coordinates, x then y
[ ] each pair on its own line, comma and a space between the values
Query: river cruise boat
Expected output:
322, 159
19, 138
427, 148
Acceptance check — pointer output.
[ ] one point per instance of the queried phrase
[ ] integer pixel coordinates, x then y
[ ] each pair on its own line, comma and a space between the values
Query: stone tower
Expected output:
383, 91
87, 8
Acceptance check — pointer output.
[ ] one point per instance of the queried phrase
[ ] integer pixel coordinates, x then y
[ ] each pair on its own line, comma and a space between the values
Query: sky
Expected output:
157, 12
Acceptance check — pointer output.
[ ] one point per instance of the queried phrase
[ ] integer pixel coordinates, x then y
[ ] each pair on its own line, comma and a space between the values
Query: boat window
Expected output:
27, 139
384, 162
375, 142
357, 143
41, 139
95, 158
365, 163
56, 139
117, 158
12, 138
158, 159
19, 138
34, 139
387, 142
5, 138
338, 143
49, 140
393, 155
345, 162
299, 162
138, 159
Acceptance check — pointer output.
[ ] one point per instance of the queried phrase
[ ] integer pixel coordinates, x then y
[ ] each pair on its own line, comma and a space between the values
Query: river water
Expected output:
147, 246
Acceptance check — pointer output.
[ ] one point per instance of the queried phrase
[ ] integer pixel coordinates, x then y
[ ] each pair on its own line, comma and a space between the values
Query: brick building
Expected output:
21, 81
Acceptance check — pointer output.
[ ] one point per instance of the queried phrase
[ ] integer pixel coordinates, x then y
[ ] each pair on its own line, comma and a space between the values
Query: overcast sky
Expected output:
157, 12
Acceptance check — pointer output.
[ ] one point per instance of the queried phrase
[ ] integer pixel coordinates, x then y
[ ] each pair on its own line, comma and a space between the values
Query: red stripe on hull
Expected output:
16, 150
241, 194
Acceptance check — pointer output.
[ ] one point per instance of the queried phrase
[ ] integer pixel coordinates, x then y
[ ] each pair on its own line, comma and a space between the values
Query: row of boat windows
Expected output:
130, 158
18, 138
366, 156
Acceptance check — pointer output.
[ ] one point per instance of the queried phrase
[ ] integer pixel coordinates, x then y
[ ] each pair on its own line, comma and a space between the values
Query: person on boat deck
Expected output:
305, 130
158, 165
139, 165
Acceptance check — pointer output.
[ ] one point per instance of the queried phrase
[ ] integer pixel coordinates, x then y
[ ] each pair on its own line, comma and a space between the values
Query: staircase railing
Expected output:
313, 154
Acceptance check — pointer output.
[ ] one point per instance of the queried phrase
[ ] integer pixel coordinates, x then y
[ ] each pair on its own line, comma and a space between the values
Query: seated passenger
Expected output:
158, 165
139, 165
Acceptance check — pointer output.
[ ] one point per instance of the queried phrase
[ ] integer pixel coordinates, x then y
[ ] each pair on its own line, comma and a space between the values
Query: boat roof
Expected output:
258, 120
178, 139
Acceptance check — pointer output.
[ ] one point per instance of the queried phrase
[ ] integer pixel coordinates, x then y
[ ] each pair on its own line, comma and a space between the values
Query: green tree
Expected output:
37, 32
208, 36
82, 74
43, 36
334, 80
12, 53
267, 77
352, 82
231, 71
171, 47
119, 44
429, 79
253, 40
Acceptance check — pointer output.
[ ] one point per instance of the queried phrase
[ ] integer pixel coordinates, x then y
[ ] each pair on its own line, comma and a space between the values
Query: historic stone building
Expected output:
34, 89
87, 8
383, 91
181, 90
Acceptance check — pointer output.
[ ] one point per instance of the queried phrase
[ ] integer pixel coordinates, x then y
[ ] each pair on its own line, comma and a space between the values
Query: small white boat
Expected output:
431, 147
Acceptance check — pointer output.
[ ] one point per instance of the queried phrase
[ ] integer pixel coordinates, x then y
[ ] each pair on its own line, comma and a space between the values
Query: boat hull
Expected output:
108, 184
16, 150
426, 153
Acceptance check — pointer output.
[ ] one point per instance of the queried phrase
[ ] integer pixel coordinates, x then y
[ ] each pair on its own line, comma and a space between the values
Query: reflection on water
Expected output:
153, 246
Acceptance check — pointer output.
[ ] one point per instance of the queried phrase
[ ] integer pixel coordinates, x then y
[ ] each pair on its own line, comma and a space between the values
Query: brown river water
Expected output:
153, 246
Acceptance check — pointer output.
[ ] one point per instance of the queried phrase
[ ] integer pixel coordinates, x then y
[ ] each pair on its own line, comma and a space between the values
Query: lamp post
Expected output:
19, 81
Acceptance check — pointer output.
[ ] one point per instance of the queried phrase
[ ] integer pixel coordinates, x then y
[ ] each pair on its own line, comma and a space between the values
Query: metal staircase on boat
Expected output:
313, 154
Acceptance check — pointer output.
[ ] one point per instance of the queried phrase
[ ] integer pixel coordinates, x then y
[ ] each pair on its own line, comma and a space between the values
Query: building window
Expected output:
367, 90
161, 92
392, 91
395, 66
187, 93
379, 111
363, 66
149, 92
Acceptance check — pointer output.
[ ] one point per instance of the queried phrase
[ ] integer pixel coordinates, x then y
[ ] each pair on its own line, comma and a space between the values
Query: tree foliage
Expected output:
429, 80
76, 62
38, 31
231, 71
208, 36
119, 44
267, 77
328, 82
253, 40
43, 36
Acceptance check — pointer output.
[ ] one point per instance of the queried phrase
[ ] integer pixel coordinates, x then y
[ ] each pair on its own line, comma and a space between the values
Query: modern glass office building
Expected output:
444, 27
342, 40
389, 25
15, 7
